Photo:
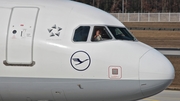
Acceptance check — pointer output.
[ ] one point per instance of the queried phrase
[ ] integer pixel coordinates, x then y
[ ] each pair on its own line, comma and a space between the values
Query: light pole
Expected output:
141, 6
122, 6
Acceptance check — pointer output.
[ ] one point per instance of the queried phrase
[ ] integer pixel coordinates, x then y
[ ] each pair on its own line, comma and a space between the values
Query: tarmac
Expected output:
166, 95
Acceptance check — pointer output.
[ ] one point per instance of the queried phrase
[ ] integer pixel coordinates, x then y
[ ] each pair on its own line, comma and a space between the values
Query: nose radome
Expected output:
155, 73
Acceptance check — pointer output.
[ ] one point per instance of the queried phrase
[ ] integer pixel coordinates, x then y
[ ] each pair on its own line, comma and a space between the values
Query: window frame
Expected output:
109, 33
134, 38
74, 32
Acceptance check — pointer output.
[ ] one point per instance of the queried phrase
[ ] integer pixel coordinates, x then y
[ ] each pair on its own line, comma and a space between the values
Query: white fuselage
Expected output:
41, 61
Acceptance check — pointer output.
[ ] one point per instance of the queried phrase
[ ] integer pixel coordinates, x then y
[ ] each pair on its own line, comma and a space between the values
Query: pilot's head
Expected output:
98, 32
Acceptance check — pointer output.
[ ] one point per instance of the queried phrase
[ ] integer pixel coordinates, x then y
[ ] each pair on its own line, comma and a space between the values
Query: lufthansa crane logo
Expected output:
80, 60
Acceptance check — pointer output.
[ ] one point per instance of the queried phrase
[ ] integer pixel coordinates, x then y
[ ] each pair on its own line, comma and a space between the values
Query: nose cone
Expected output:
155, 73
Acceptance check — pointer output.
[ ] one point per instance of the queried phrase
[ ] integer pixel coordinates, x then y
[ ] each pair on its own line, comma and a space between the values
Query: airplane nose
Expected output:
155, 73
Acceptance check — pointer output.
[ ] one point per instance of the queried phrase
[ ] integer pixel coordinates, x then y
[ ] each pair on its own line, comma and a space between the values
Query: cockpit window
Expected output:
100, 33
121, 33
81, 33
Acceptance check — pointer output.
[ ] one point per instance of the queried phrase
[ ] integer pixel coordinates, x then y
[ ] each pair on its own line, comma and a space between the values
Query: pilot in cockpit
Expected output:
97, 36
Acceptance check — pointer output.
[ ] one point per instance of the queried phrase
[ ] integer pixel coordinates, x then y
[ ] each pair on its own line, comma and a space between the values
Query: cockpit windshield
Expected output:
121, 33
101, 33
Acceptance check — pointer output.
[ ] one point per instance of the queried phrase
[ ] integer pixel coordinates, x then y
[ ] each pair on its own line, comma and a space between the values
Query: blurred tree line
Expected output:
135, 6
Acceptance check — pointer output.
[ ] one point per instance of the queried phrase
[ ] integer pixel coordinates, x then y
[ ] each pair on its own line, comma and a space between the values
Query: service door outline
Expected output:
20, 36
